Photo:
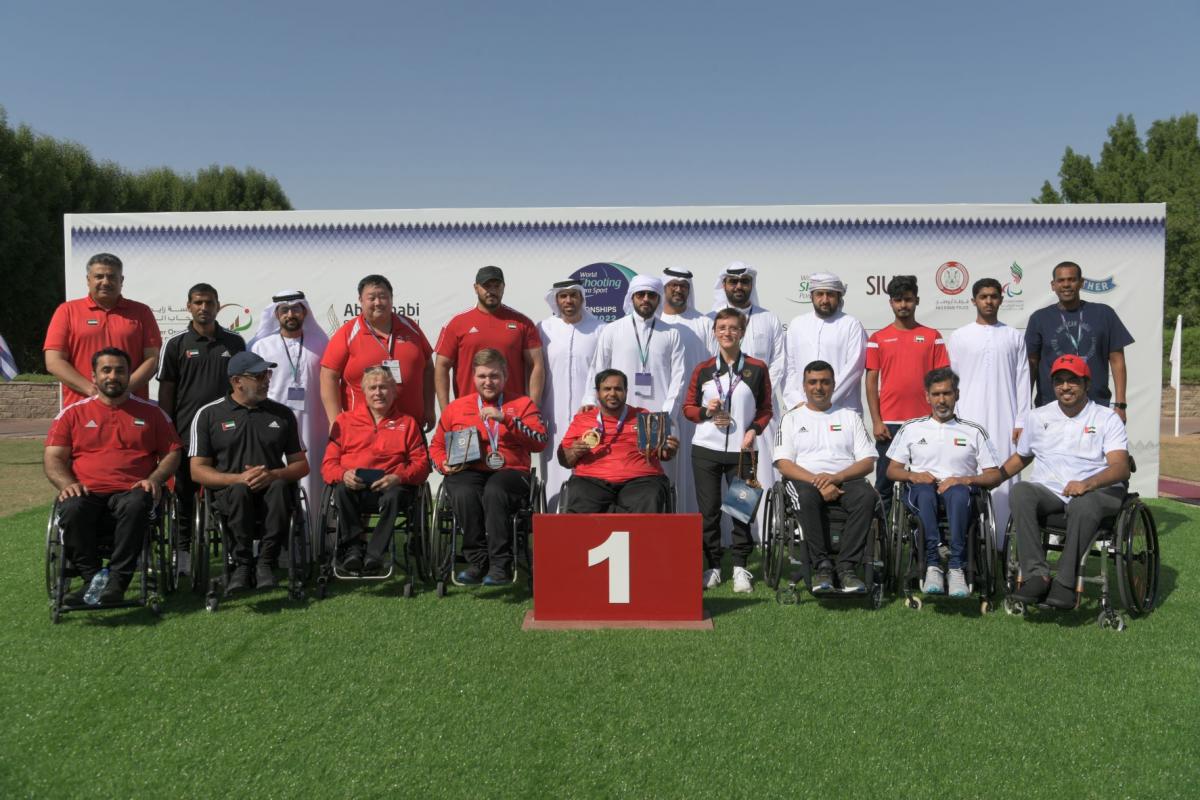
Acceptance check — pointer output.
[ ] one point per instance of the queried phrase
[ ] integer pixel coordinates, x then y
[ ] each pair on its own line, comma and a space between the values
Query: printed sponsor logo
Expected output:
604, 286
1099, 286
473, 330
922, 441
952, 277
235, 317
803, 429
877, 284
274, 424
1013, 287
91, 423
803, 291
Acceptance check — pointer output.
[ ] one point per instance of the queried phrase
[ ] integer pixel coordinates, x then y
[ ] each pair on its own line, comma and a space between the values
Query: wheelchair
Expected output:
213, 542
154, 565
908, 548
783, 545
444, 545
412, 522
671, 503
1127, 540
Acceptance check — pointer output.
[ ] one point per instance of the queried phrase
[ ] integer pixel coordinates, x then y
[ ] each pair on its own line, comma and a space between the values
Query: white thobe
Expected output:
621, 345
568, 350
310, 414
993, 391
764, 340
695, 330
839, 340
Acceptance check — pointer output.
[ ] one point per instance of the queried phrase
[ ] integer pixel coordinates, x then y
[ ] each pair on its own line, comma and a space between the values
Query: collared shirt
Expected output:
113, 447
81, 327
902, 358
617, 458
823, 441
237, 437
957, 447
394, 444
354, 347
506, 330
199, 367
521, 431
1068, 449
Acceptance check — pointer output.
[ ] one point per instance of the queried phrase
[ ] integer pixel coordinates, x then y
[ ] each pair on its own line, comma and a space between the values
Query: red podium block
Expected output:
617, 570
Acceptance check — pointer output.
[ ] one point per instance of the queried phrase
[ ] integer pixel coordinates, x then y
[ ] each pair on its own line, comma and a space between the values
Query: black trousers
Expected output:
483, 504
884, 484
353, 503
84, 518
185, 501
708, 469
857, 500
1031, 503
243, 509
646, 495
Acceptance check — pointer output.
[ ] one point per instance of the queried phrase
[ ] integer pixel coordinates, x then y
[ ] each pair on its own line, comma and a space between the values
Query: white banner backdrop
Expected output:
431, 257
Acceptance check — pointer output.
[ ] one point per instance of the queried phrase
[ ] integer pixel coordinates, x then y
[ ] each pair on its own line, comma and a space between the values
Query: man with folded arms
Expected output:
109, 455
376, 461
601, 446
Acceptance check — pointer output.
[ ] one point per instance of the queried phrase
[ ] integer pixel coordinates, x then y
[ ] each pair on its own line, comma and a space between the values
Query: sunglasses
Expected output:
743, 281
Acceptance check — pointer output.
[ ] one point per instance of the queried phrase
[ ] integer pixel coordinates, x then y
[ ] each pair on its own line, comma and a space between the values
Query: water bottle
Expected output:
99, 581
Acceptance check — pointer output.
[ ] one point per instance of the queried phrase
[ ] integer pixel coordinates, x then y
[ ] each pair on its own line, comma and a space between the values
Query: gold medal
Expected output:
591, 438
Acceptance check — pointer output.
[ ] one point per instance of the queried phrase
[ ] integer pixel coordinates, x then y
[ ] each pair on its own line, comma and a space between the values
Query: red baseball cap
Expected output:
1072, 364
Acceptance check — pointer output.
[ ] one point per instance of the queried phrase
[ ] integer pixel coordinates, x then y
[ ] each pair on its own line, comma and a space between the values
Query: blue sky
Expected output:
461, 104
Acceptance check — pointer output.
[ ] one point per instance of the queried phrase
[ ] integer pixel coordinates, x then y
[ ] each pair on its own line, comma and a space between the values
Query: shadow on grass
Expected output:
1167, 521
117, 618
716, 606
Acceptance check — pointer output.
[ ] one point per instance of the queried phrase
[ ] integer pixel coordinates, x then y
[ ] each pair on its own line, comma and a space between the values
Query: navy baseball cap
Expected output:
247, 363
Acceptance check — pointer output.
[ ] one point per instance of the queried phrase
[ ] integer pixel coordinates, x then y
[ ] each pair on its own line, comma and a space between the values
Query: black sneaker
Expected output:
75, 599
851, 583
822, 581
1033, 590
1060, 597
264, 576
239, 579
114, 592
372, 565
497, 579
471, 576
352, 558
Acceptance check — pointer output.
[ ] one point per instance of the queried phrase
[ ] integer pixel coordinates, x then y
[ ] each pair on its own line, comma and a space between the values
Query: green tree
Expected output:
1163, 169
41, 179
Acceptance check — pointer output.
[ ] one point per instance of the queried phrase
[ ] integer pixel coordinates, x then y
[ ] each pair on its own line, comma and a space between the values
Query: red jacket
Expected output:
521, 432
395, 445
615, 459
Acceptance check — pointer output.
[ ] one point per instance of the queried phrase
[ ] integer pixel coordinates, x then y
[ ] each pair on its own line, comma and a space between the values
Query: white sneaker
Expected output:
712, 578
183, 562
742, 580
934, 581
958, 584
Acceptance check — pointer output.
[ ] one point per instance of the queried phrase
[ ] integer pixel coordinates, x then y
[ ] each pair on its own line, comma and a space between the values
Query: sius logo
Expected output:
804, 290
877, 284
1099, 286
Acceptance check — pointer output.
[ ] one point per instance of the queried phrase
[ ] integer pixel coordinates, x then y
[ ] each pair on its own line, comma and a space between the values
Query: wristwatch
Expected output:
1121, 406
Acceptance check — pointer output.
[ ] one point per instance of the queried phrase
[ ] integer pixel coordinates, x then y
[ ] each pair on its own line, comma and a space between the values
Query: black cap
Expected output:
489, 274
247, 363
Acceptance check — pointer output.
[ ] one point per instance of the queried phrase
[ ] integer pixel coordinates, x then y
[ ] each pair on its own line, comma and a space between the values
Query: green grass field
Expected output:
367, 694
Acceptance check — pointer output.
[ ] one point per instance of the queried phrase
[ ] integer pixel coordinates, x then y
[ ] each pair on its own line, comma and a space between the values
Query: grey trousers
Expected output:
1030, 503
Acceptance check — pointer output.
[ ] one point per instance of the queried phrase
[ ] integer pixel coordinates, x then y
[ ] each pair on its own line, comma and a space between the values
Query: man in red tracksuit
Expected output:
375, 435
611, 474
487, 491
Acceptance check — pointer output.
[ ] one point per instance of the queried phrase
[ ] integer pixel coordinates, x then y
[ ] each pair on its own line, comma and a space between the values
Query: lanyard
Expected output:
379, 340
1078, 329
620, 423
735, 377
644, 355
490, 425
299, 358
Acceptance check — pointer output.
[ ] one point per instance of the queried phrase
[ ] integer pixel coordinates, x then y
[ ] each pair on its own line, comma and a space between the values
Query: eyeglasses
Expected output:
257, 377
296, 308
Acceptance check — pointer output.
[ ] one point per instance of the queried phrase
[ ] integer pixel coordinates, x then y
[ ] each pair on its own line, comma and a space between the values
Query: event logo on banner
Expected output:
952, 277
804, 290
1099, 286
1013, 287
604, 287
235, 317
351, 310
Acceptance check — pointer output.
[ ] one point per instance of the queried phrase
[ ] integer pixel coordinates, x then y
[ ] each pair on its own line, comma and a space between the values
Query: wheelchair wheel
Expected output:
440, 541
162, 546
1137, 559
299, 564
1010, 575
775, 537
877, 558
985, 553
54, 553
903, 550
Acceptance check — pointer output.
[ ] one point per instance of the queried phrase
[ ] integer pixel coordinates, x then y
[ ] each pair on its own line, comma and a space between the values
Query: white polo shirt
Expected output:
823, 441
957, 447
1068, 449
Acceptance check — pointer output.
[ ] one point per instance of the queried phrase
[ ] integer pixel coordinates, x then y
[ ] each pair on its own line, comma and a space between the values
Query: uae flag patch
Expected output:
835, 427
960, 441
1089, 428
512, 326
228, 425
192, 353
140, 422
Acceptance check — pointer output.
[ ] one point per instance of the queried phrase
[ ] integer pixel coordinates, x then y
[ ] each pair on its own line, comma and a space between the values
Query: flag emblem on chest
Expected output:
192, 353
1089, 428
228, 425
835, 427
960, 441
141, 423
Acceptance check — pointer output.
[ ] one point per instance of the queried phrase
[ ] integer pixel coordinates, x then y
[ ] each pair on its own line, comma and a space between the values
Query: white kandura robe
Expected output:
617, 348
568, 350
764, 340
695, 330
311, 420
840, 340
994, 392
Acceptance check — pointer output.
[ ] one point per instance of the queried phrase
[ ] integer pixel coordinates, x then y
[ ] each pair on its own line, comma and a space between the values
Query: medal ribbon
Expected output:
620, 423
735, 377
491, 426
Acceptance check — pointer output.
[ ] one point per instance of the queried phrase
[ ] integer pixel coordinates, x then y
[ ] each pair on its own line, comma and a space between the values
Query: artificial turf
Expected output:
367, 694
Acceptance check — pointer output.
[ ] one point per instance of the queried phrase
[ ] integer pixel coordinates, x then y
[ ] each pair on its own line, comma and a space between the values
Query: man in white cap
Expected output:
646, 349
990, 360
288, 335
695, 329
831, 335
569, 338
736, 287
